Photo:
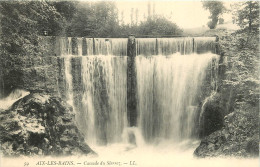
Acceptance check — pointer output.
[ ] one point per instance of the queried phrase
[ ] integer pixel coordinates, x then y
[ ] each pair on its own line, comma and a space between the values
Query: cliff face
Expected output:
40, 125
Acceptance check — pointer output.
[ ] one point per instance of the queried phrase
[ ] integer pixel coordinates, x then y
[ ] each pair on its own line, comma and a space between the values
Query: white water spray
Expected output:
104, 98
167, 94
14, 96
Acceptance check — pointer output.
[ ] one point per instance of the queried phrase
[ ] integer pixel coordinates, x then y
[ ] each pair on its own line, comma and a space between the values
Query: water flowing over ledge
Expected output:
169, 90
144, 46
169, 87
174, 77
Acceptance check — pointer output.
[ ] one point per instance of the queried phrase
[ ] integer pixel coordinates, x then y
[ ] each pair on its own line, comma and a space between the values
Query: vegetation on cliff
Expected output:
240, 134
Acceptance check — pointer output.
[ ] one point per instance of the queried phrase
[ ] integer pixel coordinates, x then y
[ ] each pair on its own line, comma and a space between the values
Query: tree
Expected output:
248, 16
106, 19
158, 26
122, 18
132, 16
136, 16
83, 21
242, 49
23, 21
98, 19
216, 8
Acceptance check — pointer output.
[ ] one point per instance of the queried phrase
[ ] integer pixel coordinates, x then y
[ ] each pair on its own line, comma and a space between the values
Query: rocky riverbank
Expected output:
239, 136
237, 133
40, 124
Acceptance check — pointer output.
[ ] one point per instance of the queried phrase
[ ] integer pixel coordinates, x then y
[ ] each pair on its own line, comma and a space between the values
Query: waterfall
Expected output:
168, 87
111, 46
146, 46
69, 46
98, 93
168, 46
66, 54
170, 80
63, 46
79, 40
119, 46
89, 46
69, 82
175, 78
87, 100
204, 44
104, 99
102, 46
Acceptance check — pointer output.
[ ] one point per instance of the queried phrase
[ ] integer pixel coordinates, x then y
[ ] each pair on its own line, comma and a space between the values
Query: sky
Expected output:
186, 14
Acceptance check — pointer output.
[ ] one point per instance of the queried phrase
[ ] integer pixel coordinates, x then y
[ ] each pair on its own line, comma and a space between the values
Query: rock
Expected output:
212, 117
233, 139
39, 124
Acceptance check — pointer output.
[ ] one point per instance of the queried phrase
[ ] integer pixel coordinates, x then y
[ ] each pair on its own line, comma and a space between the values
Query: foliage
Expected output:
216, 8
158, 26
23, 21
66, 8
242, 49
243, 73
239, 135
98, 20
248, 16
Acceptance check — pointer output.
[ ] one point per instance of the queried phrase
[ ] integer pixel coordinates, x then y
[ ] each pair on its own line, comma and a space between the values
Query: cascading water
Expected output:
119, 46
168, 46
146, 46
102, 46
111, 46
66, 51
104, 98
89, 46
171, 83
204, 44
100, 103
79, 44
168, 87
69, 93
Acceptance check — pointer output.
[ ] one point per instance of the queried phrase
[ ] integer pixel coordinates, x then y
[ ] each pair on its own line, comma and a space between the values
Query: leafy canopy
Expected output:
248, 16
216, 8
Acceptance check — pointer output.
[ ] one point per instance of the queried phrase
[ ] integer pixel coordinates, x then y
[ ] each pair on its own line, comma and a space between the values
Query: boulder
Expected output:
40, 124
211, 118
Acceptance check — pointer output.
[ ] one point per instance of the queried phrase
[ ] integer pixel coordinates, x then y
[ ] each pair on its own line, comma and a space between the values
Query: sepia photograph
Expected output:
131, 83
